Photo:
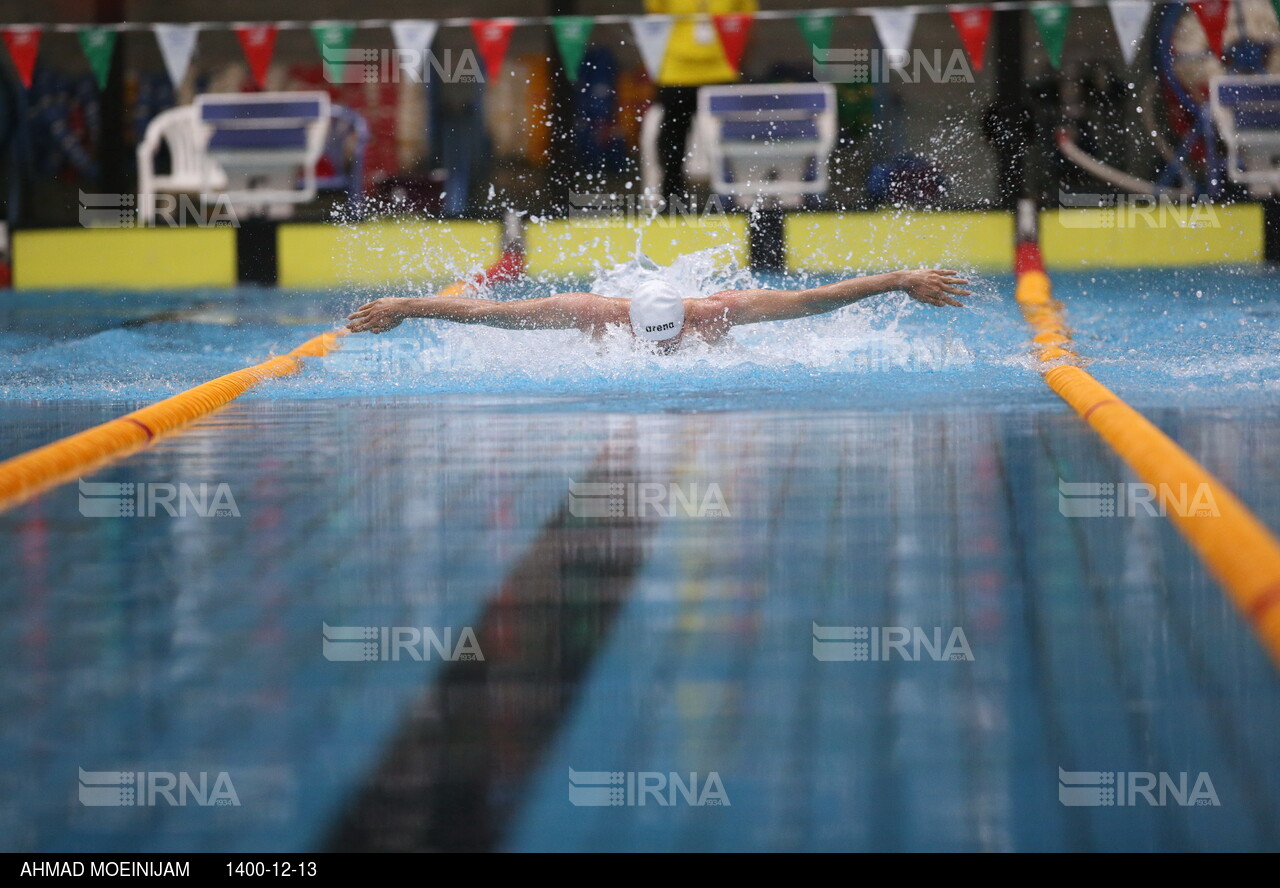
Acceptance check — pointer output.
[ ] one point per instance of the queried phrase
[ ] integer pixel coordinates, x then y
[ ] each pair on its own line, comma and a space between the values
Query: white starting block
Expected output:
258, 151
1246, 109
768, 140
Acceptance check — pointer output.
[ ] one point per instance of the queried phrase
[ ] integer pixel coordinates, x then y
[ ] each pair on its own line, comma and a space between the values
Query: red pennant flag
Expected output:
493, 36
1213, 18
23, 45
973, 24
258, 43
734, 29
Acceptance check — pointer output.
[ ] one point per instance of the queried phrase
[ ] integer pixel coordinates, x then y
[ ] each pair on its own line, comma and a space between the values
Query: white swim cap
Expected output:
657, 311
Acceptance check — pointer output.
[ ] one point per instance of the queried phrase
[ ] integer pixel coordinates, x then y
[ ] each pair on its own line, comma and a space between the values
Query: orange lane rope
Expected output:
30, 473
1239, 550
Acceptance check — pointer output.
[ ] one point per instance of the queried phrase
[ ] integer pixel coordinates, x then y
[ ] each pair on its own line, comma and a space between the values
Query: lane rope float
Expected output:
1241, 553
36, 471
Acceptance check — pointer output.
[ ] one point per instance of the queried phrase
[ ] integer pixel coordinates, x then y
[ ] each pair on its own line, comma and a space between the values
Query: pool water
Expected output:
890, 467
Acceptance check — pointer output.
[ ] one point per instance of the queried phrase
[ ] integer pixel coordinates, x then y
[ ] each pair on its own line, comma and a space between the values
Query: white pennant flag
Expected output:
894, 28
177, 43
652, 32
1130, 20
413, 38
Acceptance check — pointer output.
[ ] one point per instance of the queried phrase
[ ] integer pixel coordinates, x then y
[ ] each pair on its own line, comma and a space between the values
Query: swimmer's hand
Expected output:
934, 286
378, 316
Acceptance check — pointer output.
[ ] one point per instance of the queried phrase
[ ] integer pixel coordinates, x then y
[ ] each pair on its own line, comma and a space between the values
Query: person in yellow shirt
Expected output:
694, 58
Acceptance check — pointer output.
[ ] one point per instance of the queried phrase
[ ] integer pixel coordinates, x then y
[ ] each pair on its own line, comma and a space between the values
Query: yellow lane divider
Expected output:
30, 473
1239, 550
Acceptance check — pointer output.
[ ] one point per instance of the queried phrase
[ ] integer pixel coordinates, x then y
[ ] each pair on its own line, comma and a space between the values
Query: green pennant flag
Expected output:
572, 33
98, 44
1051, 22
816, 28
1275, 4
334, 40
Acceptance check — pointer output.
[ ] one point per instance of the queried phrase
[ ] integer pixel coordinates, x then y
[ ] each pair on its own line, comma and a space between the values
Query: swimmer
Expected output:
656, 311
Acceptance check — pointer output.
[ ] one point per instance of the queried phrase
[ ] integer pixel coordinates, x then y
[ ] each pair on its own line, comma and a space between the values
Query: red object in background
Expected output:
23, 43
493, 36
508, 268
973, 25
734, 29
258, 43
1213, 18
1027, 257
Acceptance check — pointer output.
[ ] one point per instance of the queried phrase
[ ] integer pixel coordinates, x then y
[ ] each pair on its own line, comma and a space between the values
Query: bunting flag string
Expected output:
733, 29
894, 28
24, 43
973, 24
1129, 18
258, 43
1051, 23
177, 46
572, 33
652, 33
493, 37
98, 45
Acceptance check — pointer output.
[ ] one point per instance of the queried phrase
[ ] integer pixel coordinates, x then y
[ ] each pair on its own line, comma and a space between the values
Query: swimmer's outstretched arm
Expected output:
564, 311
930, 286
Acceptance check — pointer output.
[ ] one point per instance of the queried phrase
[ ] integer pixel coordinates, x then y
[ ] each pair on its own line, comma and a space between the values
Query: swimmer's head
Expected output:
657, 311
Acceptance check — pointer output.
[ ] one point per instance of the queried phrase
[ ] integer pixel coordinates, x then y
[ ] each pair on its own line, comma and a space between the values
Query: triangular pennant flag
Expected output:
652, 33
493, 36
572, 33
1051, 22
1130, 20
816, 28
894, 27
333, 39
258, 43
23, 42
1275, 6
973, 24
734, 28
413, 38
1213, 18
98, 45
177, 44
